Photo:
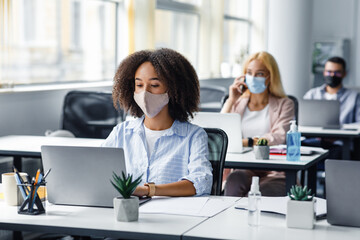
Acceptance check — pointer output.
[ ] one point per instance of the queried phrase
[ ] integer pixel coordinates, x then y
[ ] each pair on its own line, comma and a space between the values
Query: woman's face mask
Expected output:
151, 104
255, 84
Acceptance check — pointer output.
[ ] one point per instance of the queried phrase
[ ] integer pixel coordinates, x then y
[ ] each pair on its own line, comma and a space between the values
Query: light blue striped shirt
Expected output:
181, 153
349, 102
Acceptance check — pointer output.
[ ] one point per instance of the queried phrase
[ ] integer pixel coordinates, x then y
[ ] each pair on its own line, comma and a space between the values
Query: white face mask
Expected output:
151, 104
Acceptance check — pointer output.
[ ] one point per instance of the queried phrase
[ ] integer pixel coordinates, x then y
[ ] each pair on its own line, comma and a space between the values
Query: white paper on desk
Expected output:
215, 205
191, 206
279, 205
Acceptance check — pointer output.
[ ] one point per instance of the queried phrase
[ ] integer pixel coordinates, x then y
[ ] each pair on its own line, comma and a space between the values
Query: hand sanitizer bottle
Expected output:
293, 143
254, 197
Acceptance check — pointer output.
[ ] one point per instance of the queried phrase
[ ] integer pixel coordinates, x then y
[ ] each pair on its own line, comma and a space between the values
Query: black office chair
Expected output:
218, 143
211, 97
90, 114
296, 108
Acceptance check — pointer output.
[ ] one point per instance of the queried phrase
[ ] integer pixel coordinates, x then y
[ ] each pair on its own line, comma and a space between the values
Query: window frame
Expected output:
248, 21
187, 8
10, 86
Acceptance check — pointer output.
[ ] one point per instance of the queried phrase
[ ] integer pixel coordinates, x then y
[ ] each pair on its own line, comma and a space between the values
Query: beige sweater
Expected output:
281, 111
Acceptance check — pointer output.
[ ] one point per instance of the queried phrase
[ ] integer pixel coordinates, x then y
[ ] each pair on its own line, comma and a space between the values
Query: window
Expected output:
61, 41
236, 42
177, 27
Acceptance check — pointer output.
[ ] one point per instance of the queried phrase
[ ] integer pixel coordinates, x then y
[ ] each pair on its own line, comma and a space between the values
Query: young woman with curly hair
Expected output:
161, 88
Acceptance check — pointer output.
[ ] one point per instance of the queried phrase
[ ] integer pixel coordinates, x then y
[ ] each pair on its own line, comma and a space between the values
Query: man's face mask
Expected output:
151, 104
333, 81
255, 84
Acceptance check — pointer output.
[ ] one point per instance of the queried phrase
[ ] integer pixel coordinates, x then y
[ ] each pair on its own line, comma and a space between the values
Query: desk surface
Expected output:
30, 146
248, 160
318, 131
232, 224
85, 221
229, 224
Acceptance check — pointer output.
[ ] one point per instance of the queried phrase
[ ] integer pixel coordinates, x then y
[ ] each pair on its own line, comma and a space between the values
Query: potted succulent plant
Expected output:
126, 207
300, 208
261, 149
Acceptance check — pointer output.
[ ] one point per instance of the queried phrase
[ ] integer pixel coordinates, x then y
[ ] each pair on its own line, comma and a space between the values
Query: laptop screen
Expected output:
229, 122
319, 113
343, 192
81, 175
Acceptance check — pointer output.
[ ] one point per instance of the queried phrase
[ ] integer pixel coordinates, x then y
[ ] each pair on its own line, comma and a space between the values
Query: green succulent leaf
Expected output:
299, 193
262, 142
124, 184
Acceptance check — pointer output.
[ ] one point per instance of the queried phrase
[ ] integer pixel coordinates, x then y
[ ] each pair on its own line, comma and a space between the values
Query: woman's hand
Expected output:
235, 91
141, 191
237, 88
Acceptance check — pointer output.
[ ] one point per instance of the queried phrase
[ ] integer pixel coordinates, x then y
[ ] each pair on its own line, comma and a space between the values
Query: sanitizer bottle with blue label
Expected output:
293, 143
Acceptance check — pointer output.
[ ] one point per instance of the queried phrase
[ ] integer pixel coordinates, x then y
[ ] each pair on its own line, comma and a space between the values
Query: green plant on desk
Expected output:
262, 142
299, 193
126, 207
300, 211
261, 149
124, 184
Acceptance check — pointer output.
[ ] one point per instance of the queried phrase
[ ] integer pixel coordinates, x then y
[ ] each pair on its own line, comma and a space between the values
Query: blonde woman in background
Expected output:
259, 97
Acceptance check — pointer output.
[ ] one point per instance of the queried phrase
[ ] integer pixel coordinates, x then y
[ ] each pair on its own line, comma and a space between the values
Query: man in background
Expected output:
332, 89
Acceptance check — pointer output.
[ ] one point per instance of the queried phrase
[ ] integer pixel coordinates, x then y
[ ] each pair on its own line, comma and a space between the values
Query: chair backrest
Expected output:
296, 108
217, 142
90, 114
211, 98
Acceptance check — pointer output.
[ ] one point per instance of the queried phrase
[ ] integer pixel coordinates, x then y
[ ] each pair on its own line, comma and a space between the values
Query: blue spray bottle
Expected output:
293, 143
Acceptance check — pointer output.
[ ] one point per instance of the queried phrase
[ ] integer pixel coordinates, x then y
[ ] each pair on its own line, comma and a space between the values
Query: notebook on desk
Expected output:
81, 175
229, 122
319, 113
343, 192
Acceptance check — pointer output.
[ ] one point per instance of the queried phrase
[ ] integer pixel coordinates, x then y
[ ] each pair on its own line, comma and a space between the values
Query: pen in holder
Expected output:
34, 198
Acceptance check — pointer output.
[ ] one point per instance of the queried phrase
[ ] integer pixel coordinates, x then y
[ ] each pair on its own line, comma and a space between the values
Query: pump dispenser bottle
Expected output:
254, 197
293, 143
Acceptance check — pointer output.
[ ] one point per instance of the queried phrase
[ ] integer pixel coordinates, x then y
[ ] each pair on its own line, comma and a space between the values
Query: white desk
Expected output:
229, 224
232, 224
91, 221
346, 136
279, 163
18, 146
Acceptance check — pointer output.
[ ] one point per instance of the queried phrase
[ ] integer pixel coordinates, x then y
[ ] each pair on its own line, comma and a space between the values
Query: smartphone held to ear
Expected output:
242, 87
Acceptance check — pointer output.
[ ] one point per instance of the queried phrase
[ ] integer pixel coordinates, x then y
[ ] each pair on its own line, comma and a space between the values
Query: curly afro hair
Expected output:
173, 69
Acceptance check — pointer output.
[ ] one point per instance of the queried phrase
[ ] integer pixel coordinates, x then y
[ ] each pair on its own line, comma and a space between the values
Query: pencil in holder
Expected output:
34, 198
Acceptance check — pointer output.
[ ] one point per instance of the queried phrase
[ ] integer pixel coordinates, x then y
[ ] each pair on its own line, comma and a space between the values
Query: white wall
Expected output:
339, 19
289, 41
294, 26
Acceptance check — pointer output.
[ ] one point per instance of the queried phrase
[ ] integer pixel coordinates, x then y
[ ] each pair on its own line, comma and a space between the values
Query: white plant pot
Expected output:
262, 152
300, 214
126, 210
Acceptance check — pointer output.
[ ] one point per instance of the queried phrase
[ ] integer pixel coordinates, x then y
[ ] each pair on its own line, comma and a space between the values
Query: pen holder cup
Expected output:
34, 198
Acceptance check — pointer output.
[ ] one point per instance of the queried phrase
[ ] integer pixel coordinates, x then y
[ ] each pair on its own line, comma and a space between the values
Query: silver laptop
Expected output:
81, 175
319, 113
229, 122
343, 192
